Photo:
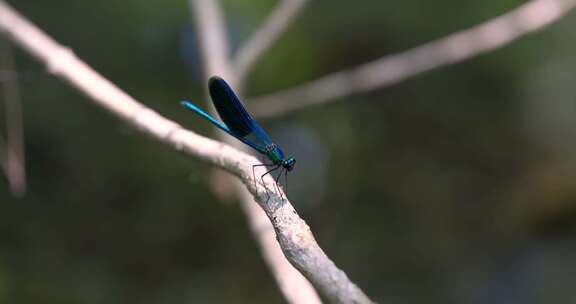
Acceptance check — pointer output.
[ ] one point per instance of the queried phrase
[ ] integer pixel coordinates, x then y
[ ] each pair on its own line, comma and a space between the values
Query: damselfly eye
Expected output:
289, 164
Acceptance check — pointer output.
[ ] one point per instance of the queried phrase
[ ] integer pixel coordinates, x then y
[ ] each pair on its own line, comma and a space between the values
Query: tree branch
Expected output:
491, 35
265, 36
215, 53
13, 158
295, 287
2, 154
294, 236
212, 37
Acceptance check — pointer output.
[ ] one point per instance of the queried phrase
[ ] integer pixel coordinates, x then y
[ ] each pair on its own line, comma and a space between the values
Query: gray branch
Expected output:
13, 158
265, 36
294, 236
215, 54
488, 36
211, 28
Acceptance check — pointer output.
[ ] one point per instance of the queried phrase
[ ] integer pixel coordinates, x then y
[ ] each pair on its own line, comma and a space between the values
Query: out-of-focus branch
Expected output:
13, 159
2, 154
294, 286
215, 53
265, 36
294, 236
6, 75
488, 36
212, 38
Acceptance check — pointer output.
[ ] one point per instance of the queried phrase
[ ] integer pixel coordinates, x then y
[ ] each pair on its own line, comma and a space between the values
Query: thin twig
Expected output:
274, 26
2, 154
491, 35
294, 236
6, 75
14, 162
212, 40
295, 288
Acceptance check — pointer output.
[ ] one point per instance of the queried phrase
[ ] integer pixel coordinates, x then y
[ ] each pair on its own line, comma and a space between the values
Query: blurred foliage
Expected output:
456, 186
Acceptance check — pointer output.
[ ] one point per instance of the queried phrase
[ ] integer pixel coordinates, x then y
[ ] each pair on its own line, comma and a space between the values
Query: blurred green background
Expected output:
456, 186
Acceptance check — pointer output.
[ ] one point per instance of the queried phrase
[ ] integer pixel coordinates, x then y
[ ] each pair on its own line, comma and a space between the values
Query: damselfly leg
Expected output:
264, 185
276, 179
285, 181
259, 165
277, 185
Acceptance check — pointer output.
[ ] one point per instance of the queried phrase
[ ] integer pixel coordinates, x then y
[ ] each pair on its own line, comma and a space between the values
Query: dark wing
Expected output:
235, 116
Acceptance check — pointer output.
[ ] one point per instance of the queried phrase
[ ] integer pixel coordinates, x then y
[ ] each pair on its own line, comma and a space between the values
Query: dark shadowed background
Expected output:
456, 186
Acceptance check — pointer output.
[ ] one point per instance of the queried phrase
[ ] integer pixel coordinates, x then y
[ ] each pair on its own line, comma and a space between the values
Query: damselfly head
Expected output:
289, 163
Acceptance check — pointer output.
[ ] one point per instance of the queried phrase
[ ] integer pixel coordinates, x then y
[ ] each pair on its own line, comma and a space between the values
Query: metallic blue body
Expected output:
238, 123
217, 123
